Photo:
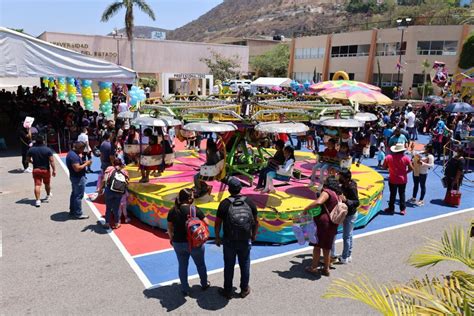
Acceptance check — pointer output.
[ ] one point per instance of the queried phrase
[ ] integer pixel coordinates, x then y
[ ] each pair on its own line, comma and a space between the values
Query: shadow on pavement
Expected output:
60, 217
297, 270
16, 171
26, 201
96, 228
441, 202
170, 297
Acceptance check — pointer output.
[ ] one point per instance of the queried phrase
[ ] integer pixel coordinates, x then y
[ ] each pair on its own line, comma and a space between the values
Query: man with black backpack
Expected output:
239, 216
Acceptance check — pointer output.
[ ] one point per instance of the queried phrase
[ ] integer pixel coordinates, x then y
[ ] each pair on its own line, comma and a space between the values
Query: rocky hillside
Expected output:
252, 18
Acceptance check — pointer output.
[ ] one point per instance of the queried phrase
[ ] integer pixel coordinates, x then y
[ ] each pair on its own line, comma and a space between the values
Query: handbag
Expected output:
453, 198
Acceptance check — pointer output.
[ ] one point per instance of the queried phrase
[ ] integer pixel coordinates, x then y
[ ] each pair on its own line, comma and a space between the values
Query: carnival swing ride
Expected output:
244, 143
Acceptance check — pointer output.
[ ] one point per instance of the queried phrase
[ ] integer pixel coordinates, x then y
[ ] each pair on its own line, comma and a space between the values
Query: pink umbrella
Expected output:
342, 83
356, 94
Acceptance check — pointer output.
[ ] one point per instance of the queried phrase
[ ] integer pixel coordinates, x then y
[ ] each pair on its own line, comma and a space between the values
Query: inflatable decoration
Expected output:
105, 95
306, 84
137, 95
71, 90
86, 92
62, 88
340, 75
440, 77
300, 88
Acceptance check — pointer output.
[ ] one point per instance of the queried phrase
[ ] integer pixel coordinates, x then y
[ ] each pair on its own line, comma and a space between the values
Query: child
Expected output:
329, 155
123, 207
381, 153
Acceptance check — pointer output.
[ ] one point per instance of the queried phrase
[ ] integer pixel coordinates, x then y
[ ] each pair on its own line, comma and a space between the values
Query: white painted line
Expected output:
304, 249
141, 276
152, 253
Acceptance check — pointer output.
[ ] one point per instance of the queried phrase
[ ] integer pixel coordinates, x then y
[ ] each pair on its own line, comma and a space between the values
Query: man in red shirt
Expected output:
399, 165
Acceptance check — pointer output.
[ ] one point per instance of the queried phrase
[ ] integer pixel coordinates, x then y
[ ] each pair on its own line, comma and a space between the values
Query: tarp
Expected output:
25, 56
271, 82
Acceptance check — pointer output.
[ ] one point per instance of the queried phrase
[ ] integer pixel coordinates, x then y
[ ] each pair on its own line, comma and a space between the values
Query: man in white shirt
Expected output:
410, 119
83, 137
147, 92
123, 106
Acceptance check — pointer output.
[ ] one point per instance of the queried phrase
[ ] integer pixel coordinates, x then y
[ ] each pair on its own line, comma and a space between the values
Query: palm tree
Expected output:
425, 65
444, 295
112, 9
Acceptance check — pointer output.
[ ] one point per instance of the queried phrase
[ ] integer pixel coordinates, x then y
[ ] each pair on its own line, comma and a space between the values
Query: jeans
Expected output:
347, 229
75, 201
112, 205
182, 253
241, 250
412, 133
263, 176
24, 158
419, 181
393, 194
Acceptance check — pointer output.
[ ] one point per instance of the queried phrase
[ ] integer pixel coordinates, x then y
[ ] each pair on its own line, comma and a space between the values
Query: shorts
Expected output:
41, 176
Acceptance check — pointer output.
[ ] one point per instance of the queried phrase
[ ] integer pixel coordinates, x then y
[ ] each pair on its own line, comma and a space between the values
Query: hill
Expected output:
251, 18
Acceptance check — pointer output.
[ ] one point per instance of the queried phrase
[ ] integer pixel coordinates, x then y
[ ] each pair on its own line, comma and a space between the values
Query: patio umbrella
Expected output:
342, 83
436, 99
355, 94
160, 121
277, 127
459, 107
345, 123
212, 127
365, 117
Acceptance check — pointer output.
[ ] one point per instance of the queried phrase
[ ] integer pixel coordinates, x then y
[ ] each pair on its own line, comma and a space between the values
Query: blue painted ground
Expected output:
163, 266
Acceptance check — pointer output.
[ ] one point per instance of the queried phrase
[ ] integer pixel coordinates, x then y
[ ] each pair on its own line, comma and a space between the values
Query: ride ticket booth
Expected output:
185, 83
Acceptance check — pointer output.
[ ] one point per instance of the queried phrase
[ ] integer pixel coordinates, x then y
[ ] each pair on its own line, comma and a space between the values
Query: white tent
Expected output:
25, 56
271, 82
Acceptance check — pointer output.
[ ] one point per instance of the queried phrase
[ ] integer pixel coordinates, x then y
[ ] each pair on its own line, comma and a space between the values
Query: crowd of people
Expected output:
388, 138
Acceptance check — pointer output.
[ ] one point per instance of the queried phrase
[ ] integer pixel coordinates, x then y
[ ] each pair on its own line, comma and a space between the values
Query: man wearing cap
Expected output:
77, 176
399, 165
42, 159
239, 216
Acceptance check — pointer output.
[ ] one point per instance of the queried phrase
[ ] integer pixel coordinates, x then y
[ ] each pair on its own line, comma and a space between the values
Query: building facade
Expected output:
361, 54
176, 65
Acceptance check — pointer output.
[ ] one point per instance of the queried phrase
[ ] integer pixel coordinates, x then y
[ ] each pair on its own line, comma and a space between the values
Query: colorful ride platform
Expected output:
150, 202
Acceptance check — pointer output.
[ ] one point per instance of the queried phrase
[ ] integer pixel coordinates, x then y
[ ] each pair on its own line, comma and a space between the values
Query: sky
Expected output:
83, 16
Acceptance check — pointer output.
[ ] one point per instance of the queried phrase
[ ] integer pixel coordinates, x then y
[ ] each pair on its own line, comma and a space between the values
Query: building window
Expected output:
387, 80
419, 79
350, 51
309, 53
391, 49
306, 76
446, 48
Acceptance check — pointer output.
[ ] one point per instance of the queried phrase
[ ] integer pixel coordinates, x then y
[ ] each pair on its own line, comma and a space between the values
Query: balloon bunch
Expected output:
45, 81
298, 87
71, 90
307, 84
86, 91
62, 88
105, 93
137, 95
51, 83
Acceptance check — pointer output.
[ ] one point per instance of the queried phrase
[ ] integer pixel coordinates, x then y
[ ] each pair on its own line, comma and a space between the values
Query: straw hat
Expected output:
399, 147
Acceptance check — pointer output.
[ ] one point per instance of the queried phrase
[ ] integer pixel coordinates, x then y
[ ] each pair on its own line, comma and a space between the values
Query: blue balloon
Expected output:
306, 84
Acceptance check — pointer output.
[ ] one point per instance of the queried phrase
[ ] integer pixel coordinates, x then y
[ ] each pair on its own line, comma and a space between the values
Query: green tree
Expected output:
148, 82
466, 60
222, 68
128, 5
425, 65
451, 294
273, 63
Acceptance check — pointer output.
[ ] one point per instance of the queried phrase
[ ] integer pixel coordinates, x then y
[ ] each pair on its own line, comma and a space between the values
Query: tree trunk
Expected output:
132, 53
424, 86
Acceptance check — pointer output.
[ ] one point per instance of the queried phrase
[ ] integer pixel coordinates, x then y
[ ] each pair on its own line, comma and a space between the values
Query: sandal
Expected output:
311, 269
116, 226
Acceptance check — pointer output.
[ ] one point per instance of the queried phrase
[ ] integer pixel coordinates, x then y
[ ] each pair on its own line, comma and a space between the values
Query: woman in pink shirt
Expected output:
399, 165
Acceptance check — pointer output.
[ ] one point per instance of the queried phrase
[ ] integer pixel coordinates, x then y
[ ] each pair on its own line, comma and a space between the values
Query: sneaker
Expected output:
244, 294
349, 259
38, 203
82, 216
343, 260
403, 212
420, 203
48, 197
388, 210
412, 200
205, 287
128, 220
225, 294
28, 170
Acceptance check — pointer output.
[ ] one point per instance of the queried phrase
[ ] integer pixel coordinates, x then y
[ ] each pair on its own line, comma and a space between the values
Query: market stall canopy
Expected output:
212, 127
271, 82
365, 117
330, 84
277, 127
128, 115
160, 121
355, 94
345, 123
22, 55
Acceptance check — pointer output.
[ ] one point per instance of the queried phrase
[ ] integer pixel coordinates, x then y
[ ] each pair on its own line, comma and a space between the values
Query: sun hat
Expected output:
399, 147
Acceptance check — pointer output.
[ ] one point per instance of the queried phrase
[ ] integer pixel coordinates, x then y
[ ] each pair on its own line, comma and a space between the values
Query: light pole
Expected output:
117, 37
402, 24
